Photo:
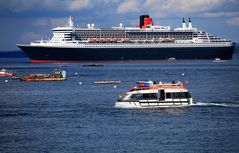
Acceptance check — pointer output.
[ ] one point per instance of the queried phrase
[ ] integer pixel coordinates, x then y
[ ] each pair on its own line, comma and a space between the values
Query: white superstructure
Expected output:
131, 37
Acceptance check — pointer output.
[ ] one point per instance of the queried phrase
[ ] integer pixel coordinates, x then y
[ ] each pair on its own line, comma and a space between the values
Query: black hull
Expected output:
57, 54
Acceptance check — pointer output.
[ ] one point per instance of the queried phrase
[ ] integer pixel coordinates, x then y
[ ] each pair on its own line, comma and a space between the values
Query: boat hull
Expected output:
42, 79
7, 74
152, 104
40, 54
3, 75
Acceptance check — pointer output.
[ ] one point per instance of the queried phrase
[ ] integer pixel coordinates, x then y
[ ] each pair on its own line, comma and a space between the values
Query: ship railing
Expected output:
157, 44
129, 45
124, 45
40, 41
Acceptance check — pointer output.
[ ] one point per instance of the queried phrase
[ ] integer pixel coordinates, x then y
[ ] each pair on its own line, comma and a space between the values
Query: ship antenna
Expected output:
70, 22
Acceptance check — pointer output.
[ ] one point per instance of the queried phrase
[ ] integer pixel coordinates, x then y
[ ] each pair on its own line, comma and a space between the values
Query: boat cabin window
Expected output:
168, 95
176, 95
144, 96
187, 95
136, 96
150, 96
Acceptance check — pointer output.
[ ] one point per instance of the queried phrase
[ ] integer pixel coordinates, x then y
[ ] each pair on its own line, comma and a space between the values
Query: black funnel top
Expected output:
141, 21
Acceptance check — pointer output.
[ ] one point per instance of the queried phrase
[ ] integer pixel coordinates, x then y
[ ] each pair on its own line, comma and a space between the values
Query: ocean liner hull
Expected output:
62, 54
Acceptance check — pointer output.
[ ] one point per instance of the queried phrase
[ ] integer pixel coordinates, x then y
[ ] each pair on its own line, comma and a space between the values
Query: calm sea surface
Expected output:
79, 116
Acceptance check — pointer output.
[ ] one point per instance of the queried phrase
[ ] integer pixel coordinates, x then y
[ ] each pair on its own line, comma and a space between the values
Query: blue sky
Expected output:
23, 21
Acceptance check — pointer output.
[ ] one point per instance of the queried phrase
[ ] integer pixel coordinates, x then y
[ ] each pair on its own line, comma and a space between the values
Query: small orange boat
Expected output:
56, 76
4, 72
107, 82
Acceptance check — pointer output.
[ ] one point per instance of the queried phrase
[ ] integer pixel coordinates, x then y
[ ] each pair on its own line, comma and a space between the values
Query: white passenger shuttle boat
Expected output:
156, 94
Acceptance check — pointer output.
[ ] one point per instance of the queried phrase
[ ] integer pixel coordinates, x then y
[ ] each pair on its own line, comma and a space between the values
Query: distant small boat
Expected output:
107, 82
218, 60
92, 65
15, 77
56, 76
4, 72
172, 59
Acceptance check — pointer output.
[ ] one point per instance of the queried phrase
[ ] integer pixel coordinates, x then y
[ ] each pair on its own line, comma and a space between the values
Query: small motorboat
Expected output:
92, 65
15, 77
4, 72
218, 60
55, 76
107, 82
148, 94
171, 59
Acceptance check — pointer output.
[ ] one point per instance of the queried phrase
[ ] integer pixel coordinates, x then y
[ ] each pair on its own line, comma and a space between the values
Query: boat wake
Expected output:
215, 104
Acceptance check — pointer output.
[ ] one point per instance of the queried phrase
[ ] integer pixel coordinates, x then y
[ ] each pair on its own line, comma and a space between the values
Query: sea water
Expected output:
79, 116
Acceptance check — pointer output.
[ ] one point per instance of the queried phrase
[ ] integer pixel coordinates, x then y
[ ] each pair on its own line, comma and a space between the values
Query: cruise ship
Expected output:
145, 42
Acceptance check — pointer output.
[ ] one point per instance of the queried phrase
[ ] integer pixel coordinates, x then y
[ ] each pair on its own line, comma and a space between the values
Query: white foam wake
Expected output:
219, 104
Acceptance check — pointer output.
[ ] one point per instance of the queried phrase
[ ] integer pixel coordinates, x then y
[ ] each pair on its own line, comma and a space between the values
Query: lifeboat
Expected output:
104, 40
92, 40
167, 39
148, 94
113, 39
124, 39
4, 72
98, 39
55, 76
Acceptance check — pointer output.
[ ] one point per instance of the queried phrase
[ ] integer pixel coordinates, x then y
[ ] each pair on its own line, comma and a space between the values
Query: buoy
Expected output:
76, 73
115, 86
182, 73
6, 80
80, 83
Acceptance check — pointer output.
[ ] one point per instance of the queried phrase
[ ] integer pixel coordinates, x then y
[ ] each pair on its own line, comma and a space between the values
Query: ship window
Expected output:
144, 96
187, 95
178, 95
168, 95
150, 96
136, 96
181, 95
